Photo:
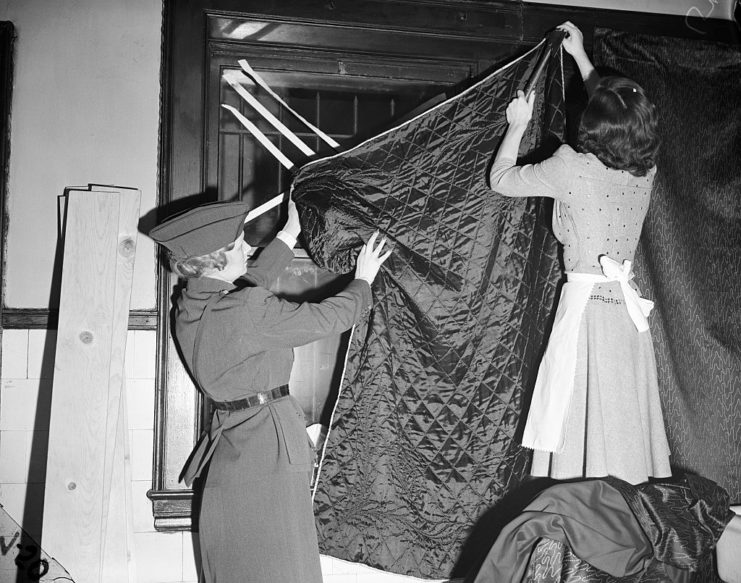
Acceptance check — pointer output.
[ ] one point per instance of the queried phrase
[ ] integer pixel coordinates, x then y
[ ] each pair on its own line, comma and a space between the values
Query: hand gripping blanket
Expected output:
422, 439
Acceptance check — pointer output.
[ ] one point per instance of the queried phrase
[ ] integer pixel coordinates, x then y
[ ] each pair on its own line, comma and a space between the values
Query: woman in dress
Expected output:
255, 522
595, 408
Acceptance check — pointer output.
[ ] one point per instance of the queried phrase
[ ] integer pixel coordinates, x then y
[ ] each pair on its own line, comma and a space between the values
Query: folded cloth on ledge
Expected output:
623, 532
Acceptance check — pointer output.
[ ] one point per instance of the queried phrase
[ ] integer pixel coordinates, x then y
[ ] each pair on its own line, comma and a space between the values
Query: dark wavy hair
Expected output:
620, 126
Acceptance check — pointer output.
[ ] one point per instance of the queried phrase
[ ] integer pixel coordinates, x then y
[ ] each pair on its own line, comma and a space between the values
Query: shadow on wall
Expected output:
31, 564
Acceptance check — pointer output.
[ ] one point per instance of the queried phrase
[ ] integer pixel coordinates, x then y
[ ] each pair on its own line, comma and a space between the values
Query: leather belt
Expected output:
252, 400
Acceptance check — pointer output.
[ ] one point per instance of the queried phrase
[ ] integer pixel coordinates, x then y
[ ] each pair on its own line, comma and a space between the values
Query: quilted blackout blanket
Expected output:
423, 438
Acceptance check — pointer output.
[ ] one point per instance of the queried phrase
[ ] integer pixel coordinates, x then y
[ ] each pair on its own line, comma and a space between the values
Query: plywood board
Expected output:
87, 513
117, 563
73, 501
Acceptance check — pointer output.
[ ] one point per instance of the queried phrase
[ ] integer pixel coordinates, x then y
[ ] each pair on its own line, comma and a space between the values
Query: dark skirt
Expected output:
256, 522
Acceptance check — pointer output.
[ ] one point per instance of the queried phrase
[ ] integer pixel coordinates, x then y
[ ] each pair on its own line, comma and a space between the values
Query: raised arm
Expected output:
282, 323
547, 178
574, 45
506, 177
274, 258
519, 112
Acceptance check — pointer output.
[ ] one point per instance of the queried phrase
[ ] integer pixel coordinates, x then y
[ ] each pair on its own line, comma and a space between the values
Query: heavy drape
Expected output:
609, 531
422, 440
689, 257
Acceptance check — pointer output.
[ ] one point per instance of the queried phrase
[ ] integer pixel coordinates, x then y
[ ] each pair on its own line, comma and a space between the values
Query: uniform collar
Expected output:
209, 285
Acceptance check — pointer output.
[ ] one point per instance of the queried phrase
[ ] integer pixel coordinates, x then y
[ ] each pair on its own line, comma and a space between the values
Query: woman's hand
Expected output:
293, 225
370, 259
574, 45
574, 41
520, 110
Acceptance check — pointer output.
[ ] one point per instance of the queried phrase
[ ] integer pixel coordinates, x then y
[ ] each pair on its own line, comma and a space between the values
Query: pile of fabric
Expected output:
608, 531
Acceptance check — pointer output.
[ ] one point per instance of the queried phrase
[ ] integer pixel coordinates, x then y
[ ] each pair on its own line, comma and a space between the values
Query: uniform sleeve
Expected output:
548, 178
269, 264
281, 323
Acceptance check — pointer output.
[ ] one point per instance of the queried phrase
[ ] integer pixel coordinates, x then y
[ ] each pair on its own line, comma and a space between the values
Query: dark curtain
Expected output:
422, 439
689, 258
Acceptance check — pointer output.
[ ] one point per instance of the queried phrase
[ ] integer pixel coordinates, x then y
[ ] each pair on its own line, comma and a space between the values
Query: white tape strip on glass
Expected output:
262, 138
232, 77
264, 207
259, 80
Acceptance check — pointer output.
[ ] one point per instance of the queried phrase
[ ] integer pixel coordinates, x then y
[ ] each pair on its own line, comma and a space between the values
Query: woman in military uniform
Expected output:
256, 522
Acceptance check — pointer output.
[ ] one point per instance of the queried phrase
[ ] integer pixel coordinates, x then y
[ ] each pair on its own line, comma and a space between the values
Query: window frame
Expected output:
185, 139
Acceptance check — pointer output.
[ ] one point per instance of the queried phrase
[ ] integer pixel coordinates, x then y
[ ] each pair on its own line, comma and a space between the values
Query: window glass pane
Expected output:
248, 171
337, 112
374, 112
303, 101
230, 167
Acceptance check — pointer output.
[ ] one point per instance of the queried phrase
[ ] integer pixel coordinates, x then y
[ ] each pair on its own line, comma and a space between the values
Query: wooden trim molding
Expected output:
45, 319
7, 42
172, 509
715, 9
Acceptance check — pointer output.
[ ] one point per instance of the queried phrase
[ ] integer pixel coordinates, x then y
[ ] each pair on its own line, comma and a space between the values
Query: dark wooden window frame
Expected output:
7, 42
459, 38
336, 43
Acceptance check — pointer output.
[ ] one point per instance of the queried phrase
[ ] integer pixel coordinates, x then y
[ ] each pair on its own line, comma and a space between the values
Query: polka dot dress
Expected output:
615, 424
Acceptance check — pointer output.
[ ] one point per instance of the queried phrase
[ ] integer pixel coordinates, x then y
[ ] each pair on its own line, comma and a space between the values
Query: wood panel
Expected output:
74, 504
7, 38
45, 319
87, 512
539, 18
117, 556
715, 9
118, 543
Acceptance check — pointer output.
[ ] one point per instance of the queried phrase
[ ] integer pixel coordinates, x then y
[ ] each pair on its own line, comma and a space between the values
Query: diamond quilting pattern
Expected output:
423, 435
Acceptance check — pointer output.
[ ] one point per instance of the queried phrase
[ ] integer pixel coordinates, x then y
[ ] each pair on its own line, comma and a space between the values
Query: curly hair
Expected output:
199, 265
620, 126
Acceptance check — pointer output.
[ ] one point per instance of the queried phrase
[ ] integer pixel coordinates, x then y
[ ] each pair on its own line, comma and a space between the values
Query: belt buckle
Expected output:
262, 398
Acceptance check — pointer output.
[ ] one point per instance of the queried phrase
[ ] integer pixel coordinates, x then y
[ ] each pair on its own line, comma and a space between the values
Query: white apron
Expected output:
554, 386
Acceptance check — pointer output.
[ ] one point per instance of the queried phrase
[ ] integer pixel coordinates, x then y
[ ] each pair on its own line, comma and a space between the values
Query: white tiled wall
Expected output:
25, 396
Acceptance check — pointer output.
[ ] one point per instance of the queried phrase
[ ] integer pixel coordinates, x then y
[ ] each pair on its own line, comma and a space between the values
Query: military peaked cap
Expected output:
201, 230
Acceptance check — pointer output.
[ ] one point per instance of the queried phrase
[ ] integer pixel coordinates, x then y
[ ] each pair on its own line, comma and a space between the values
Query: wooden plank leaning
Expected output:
86, 524
118, 532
